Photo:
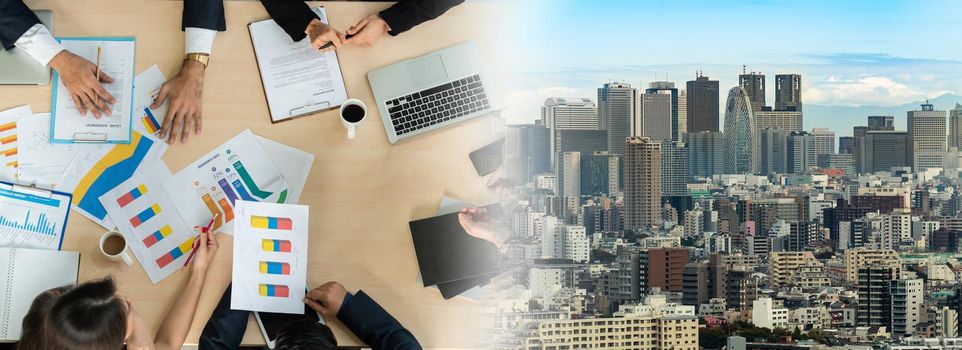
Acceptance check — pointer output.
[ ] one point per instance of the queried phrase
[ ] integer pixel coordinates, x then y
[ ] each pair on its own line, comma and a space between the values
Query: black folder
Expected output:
446, 253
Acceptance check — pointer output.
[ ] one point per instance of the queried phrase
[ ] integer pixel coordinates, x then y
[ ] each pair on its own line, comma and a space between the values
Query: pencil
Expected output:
96, 97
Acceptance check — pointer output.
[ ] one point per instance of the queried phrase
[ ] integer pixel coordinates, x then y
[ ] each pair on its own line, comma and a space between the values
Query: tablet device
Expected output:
272, 323
488, 158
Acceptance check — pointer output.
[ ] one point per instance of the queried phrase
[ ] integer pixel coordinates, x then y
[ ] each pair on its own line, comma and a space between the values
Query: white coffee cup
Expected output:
352, 121
115, 253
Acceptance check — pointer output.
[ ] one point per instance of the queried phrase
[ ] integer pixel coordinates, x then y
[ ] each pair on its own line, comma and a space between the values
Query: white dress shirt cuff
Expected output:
198, 40
39, 44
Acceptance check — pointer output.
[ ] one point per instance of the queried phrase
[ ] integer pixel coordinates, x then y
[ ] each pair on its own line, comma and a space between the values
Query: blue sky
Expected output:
850, 53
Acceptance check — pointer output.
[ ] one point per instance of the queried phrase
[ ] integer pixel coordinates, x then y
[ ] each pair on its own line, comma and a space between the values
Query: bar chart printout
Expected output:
32, 218
270, 257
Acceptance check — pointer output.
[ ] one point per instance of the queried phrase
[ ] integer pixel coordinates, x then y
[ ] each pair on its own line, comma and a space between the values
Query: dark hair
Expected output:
305, 334
87, 316
32, 335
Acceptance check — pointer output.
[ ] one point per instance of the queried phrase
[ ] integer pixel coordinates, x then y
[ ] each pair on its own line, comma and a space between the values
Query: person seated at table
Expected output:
299, 21
92, 315
361, 314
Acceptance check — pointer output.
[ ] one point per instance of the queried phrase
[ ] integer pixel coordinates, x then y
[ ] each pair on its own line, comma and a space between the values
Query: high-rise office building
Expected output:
883, 150
599, 174
788, 92
677, 125
846, 144
955, 126
569, 181
771, 149
739, 133
656, 116
706, 153
787, 121
824, 141
702, 104
674, 168
642, 183
584, 141
926, 128
682, 115
881, 122
664, 269
616, 110
754, 85
527, 147
568, 114
800, 155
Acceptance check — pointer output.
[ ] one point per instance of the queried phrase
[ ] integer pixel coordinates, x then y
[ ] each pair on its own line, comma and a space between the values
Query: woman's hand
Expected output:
478, 223
206, 246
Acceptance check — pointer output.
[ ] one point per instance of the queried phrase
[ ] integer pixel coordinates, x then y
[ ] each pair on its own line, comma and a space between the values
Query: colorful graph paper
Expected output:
158, 236
273, 290
270, 222
175, 253
145, 215
150, 123
135, 193
276, 245
275, 268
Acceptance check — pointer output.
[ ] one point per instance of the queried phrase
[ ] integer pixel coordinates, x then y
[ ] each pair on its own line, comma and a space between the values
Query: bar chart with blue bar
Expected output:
32, 218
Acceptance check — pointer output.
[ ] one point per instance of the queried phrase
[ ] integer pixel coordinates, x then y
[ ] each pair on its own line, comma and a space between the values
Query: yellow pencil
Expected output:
96, 97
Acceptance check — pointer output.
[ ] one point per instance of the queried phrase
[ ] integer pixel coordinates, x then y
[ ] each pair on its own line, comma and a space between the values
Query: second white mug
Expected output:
352, 112
114, 246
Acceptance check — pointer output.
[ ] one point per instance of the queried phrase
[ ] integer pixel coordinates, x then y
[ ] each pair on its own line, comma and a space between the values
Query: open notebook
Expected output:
24, 274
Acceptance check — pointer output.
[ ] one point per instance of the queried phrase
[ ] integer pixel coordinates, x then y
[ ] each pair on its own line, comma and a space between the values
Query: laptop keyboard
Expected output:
442, 103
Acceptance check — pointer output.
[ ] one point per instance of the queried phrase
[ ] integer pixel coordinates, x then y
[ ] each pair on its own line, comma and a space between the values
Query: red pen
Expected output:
193, 249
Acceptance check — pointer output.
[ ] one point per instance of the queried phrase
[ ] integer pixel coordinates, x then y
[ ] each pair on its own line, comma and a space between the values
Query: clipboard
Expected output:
55, 201
278, 112
92, 137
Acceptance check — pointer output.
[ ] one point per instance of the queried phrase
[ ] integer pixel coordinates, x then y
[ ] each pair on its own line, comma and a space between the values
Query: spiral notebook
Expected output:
24, 274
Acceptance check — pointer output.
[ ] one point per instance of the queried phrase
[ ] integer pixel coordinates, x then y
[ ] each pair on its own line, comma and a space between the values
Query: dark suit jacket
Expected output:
373, 325
294, 15
16, 18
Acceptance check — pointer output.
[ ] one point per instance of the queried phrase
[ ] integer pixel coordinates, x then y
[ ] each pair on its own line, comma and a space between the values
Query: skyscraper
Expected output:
656, 117
599, 174
739, 133
616, 110
926, 129
702, 104
772, 142
824, 141
800, 155
788, 92
955, 126
754, 85
569, 181
846, 144
682, 115
786, 121
883, 150
526, 146
568, 114
881, 122
668, 88
706, 153
674, 168
642, 198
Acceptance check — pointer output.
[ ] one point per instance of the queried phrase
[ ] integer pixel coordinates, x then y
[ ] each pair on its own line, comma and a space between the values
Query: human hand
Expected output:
476, 222
321, 34
79, 76
185, 91
367, 31
206, 246
326, 299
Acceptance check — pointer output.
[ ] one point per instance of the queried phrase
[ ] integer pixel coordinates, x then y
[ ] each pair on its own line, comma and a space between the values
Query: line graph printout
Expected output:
238, 170
270, 257
32, 218
158, 236
40, 162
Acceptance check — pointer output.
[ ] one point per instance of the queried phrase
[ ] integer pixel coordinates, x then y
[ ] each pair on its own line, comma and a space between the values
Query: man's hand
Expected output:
79, 76
185, 91
326, 299
321, 34
367, 31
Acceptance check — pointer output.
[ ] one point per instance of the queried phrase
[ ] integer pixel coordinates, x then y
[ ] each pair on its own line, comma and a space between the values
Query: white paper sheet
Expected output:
270, 257
117, 61
97, 169
40, 162
238, 170
157, 234
297, 78
293, 163
146, 87
8, 141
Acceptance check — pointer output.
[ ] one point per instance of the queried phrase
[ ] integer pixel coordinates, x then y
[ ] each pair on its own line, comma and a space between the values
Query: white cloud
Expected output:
863, 90
524, 105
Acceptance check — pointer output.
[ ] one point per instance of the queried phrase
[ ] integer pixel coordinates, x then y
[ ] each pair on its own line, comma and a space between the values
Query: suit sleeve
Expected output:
207, 14
406, 14
292, 15
15, 19
373, 325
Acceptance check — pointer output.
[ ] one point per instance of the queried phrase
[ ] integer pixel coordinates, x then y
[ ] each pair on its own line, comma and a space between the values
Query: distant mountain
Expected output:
841, 119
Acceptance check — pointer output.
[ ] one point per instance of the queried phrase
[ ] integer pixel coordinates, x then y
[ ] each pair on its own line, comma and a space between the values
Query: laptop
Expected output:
19, 68
431, 92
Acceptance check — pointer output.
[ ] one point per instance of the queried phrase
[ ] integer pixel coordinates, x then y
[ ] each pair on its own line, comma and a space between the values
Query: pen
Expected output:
96, 97
197, 238
331, 43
